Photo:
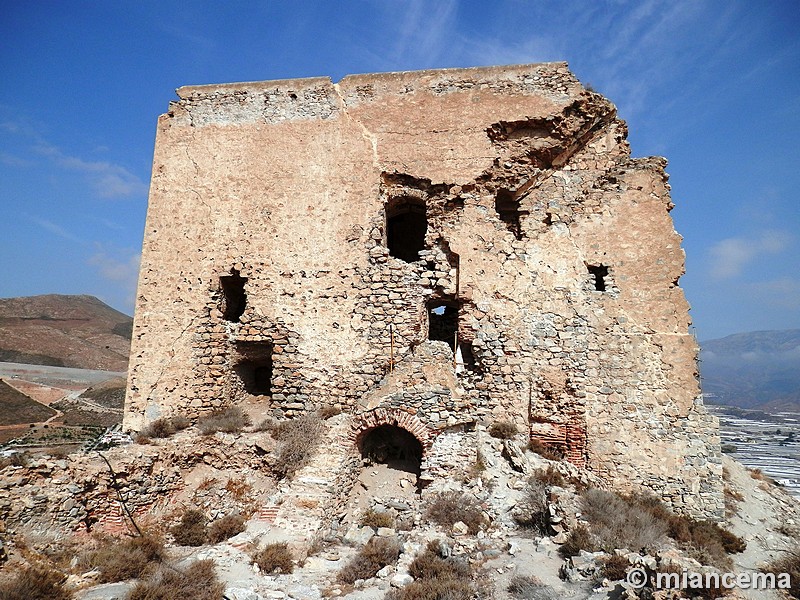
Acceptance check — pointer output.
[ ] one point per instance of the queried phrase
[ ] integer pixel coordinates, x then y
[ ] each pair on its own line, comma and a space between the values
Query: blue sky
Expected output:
713, 86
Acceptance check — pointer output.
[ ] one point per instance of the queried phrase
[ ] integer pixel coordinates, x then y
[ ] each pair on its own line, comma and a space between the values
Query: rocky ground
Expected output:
499, 551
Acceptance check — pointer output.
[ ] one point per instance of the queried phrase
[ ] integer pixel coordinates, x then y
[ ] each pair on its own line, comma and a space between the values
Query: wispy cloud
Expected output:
783, 292
120, 267
730, 256
107, 179
56, 230
14, 161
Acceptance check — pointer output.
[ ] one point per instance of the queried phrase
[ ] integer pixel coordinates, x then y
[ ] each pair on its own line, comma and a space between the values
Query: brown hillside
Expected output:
16, 407
66, 331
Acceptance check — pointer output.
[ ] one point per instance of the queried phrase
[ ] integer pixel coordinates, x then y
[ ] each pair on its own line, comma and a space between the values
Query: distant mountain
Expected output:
759, 369
64, 331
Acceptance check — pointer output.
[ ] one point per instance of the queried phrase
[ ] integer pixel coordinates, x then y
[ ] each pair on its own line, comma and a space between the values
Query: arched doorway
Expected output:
393, 446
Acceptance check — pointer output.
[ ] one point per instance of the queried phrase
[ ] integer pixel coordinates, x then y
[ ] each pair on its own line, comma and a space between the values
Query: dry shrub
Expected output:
326, 412
227, 420
618, 522
531, 512
198, 582
132, 558
545, 451
447, 508
15, 459
759, 475
614, 567
788, 564
238, 488
160, 428
433, 589
225, 527
298, 440
191, 531
524, 587
274, 558
376, 554
35, 582
550, 476
375, 518
503, 430
578, 539
430, 565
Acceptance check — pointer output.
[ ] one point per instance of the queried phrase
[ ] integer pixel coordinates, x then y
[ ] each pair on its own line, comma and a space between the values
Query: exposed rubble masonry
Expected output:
457, 246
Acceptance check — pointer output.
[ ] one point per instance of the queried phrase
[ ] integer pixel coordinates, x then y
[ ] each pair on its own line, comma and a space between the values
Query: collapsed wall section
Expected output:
461, 245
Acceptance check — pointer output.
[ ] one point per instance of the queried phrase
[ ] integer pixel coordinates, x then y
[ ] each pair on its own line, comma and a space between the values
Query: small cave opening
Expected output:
508, 209
443, 323
393, 446
406, 226
599, 274
254, 367
234, 298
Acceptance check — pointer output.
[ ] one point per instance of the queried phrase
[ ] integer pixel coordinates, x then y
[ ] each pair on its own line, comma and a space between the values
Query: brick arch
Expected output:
367, 421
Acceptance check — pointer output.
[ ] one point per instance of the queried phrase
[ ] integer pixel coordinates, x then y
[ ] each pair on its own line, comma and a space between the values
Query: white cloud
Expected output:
56, 230
730, 256
120, 267
107, 179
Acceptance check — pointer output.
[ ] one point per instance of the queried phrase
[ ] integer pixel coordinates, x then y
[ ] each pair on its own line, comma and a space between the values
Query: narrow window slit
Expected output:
599, 272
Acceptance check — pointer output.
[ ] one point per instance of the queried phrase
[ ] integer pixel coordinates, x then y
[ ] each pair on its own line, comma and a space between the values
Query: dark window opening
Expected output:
234, 298
443, 323
394, 447
508, 209
406, 226
466, 357
254, 368
599, 272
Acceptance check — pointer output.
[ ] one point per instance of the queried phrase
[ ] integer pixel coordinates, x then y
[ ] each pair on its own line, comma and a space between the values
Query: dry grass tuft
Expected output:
131, 558
503, 430
327, 412
614, 567
531, 512
436, 577
578, 539
523, 587
35, 582
447, 508
376, 554
375, 519
545, 451
198, 582
274, 558
550, 476
227, 420
191, 531
789, 564
163, 428
225, 528
298, 439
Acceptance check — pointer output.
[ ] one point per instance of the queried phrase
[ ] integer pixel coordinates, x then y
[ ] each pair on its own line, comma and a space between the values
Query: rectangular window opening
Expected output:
234, 298
599, 273
253, 367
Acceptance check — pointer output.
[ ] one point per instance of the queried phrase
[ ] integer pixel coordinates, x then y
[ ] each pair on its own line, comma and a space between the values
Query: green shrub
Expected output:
447, 508
227, 420
198, 582
376, 554
191, 531
35, 582
225, 527
504, 430
274, 558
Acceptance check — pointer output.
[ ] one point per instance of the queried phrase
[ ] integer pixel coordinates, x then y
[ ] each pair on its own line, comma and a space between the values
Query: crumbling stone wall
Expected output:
267, 258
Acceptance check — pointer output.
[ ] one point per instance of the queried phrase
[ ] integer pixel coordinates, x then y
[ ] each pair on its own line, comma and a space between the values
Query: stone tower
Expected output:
426, 250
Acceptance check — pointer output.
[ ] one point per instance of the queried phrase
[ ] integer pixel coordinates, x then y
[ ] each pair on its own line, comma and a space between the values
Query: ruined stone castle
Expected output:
429, 251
